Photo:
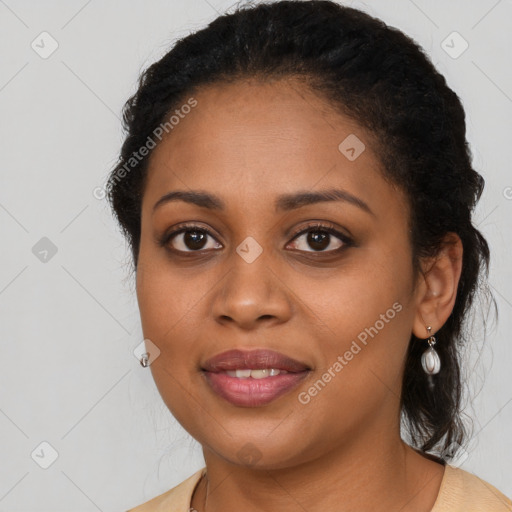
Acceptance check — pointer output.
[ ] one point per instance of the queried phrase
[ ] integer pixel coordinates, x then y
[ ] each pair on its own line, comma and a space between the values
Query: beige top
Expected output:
460, 491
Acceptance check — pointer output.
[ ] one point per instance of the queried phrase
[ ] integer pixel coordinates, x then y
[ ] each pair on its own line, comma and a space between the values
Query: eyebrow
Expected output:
284, 202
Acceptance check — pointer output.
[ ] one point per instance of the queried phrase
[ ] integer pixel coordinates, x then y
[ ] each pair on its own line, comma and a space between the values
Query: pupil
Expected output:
320, 239
194, 239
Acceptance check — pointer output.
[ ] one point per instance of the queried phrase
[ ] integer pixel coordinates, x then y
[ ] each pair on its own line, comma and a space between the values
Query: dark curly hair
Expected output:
379, 77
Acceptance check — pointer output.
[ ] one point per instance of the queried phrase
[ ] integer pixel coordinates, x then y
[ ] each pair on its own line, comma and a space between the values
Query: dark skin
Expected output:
249, 143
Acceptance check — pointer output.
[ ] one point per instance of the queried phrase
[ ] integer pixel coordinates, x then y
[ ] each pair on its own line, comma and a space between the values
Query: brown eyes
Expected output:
193, 238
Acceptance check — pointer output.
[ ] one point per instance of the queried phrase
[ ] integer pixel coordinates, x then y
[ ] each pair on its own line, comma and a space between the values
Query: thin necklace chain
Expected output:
205, 491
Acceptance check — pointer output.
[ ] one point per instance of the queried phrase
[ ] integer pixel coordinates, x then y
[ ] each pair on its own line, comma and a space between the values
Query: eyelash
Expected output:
164, 240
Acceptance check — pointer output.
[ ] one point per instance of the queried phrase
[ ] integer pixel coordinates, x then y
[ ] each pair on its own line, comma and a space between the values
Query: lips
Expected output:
253, 387
254, 359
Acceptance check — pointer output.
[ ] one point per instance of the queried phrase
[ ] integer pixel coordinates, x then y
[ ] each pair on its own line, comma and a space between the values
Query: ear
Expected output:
437, 285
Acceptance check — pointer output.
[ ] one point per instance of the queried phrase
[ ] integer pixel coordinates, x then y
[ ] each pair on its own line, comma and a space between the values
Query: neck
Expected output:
375, 474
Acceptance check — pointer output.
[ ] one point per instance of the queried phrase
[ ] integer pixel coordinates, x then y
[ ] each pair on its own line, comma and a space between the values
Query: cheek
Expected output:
367, 314
174, 306
353, 297
166, 311
361, 362
162, 301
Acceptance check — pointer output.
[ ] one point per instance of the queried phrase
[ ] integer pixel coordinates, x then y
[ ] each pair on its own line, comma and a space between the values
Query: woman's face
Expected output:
251, 273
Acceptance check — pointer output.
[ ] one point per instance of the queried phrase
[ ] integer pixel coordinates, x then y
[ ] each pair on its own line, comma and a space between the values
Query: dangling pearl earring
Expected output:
430, 359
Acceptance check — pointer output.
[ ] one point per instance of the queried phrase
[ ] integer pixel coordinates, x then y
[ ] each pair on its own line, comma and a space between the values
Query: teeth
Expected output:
255, 374
260, 374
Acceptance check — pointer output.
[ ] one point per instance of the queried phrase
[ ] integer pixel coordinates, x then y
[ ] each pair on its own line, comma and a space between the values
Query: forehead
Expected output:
263, 137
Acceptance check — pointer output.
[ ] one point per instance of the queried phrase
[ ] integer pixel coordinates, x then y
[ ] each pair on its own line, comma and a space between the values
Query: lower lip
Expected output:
251, 392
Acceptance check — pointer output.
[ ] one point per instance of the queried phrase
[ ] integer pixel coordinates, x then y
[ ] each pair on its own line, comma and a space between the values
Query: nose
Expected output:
252, 294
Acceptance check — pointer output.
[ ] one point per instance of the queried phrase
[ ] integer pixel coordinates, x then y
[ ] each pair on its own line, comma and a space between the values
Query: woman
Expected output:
297, 191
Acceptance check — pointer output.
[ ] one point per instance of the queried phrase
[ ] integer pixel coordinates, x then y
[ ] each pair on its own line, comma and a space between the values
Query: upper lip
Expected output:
252, 359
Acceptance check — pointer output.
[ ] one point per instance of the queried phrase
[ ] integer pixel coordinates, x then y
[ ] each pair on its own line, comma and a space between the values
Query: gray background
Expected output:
69, 324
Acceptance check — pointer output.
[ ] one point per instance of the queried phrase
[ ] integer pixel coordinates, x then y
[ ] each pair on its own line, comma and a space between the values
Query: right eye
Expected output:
189, 238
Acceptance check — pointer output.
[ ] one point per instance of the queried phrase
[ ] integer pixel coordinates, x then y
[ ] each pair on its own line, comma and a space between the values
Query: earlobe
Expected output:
437, 290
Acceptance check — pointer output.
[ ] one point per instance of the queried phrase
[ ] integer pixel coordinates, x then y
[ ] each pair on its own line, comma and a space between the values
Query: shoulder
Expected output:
463, 491
176, 499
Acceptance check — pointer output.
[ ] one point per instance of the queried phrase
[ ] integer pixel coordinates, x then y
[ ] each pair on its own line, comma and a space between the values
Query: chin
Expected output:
260, 452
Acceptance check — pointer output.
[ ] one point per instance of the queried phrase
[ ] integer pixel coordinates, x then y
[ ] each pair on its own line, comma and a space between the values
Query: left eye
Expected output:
320, 239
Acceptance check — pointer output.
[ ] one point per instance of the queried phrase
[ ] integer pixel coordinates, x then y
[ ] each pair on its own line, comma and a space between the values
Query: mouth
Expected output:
253, 378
